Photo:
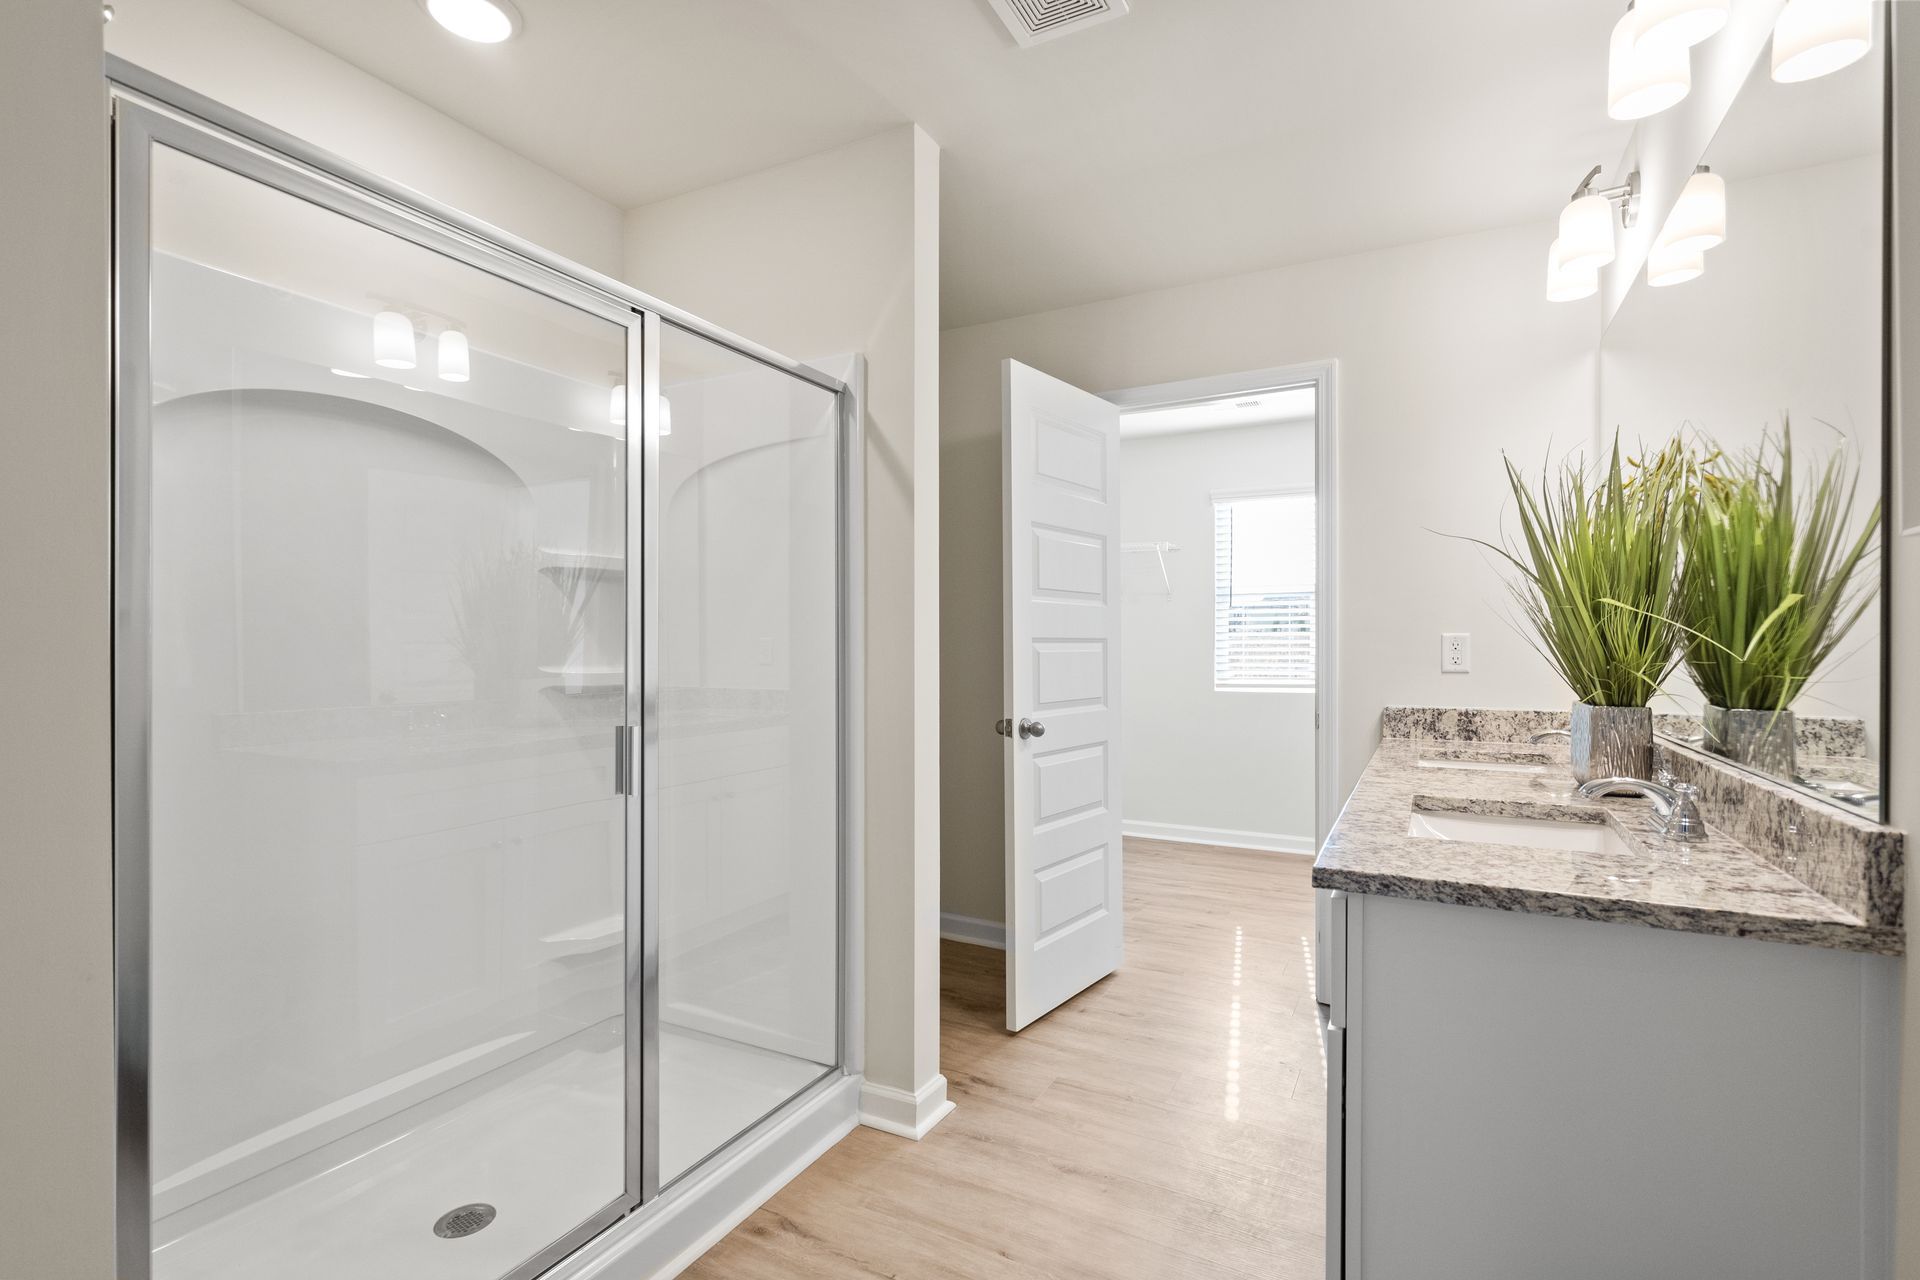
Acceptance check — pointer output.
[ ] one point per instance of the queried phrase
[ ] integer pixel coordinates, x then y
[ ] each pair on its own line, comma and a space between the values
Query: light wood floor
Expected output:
1168, 1122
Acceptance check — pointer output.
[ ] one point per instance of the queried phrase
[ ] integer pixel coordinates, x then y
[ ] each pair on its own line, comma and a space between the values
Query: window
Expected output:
1263, 591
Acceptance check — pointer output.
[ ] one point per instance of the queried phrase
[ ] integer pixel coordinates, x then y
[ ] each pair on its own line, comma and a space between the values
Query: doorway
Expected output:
1228, 613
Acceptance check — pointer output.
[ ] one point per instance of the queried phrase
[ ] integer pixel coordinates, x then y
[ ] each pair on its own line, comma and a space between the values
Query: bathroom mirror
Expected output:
1784, 326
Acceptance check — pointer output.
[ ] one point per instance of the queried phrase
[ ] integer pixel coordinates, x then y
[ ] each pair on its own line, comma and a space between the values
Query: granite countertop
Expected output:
1714, 886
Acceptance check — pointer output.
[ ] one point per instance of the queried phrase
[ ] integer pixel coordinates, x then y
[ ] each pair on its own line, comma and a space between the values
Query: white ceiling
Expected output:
1254, 409
1187, 140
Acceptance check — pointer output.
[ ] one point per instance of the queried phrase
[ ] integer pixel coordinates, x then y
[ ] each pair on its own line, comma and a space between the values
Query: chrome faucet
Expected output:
1677, 807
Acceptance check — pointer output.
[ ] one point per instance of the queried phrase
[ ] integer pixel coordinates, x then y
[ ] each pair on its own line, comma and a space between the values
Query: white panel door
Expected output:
1062, 627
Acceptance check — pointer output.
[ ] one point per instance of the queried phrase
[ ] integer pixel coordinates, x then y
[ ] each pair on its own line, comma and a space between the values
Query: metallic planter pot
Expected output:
1761, 740
1612, 742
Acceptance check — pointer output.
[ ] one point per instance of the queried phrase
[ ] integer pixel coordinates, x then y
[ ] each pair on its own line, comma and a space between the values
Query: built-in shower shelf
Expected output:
594, 935
555, 560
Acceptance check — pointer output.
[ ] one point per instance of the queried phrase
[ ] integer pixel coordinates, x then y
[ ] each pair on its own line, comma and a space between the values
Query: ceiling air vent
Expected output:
1033, 21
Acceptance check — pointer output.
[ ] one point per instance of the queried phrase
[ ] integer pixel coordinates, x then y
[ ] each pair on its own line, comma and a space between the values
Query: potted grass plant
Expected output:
1775, 576
1586, 545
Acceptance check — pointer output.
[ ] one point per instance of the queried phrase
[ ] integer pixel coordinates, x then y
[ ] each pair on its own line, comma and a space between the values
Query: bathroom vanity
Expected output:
1560, 1044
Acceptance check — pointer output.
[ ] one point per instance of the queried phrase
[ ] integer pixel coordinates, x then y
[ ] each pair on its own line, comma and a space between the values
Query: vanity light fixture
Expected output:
1567, 285
1671, 264
617, 405
666, 416
1586, 224
1814, 37
481, 21
393, 341
454, 365
1644, 77
1686, 21
1699, 218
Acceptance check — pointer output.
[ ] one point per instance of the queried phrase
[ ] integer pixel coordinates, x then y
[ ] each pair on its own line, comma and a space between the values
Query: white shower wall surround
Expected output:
482, 765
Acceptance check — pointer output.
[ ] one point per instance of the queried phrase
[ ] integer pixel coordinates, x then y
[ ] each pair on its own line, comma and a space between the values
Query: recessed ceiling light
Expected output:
482, 21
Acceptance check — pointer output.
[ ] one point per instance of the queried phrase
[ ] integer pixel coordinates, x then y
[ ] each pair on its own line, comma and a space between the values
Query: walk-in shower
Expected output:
481, 694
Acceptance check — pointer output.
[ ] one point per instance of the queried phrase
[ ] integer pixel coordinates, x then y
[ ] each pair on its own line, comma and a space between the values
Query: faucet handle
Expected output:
1685, 821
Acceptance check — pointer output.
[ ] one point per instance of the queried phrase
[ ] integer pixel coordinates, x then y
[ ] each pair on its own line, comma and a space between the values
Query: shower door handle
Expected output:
626, 758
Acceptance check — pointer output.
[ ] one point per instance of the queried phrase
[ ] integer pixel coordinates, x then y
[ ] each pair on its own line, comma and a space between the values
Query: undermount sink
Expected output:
1531, 833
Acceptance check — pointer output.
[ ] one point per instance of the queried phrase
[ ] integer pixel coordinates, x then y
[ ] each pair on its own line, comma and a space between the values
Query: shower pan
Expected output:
483, 764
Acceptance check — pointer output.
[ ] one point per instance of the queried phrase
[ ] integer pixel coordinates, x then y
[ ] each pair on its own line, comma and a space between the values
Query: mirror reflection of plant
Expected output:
500, 607
1772, 581
1586, 543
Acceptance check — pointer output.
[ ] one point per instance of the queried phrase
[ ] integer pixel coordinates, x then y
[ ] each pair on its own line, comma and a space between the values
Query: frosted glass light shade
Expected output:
1815, 37
617, 406
1674, 264
393, 341
1566, 285
1686, 22
453, 363
1699, 218
482, 21
1644, 76
1586, 234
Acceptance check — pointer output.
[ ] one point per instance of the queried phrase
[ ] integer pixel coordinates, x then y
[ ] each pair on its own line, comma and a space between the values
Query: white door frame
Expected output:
1320, 375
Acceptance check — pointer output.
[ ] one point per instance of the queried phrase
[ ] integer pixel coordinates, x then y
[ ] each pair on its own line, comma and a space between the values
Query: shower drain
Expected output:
464, 1221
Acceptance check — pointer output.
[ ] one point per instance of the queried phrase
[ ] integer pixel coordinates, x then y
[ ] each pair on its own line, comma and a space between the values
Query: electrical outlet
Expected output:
1456, 652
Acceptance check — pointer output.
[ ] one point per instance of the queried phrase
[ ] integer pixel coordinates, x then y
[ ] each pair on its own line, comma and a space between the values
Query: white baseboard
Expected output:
663, 1239
981, 933
1264, 841
908, 1115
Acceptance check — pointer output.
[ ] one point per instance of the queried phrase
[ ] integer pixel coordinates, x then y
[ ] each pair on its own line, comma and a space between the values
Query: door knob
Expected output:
1003, 727
1032, 729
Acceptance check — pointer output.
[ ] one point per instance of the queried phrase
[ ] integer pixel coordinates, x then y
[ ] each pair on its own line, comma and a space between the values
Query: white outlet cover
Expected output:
1456, 652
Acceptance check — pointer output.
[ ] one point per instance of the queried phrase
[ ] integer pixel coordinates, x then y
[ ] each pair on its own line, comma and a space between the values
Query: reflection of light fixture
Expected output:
1644, 76
1686, 22
482, 21
348, 373
1699, 218
617, 406
1669, 264
666, 416
392, 341
1814, 37
1565, 284
1586, 224
453, 356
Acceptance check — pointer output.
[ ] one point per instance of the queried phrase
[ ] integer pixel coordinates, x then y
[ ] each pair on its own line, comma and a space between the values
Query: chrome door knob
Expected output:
1032, 729
1003, 727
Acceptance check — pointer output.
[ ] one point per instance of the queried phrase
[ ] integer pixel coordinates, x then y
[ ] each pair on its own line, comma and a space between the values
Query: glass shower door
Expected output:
379, 520
749, 737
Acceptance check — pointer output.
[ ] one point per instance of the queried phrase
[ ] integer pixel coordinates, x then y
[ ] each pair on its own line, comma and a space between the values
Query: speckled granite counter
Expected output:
1714, 886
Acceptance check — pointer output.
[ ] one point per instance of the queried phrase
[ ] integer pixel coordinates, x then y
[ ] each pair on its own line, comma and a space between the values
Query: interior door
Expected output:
1062, 662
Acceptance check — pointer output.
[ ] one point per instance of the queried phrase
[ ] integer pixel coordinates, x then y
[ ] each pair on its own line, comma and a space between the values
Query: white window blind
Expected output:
1263, 591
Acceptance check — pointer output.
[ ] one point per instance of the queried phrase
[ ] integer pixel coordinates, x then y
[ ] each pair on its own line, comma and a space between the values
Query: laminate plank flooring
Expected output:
1167, 1122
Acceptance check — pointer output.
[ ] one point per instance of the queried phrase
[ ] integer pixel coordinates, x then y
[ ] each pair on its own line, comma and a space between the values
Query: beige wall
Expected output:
238, 58
1447, 354
56, 944
825, 256
1903, 618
